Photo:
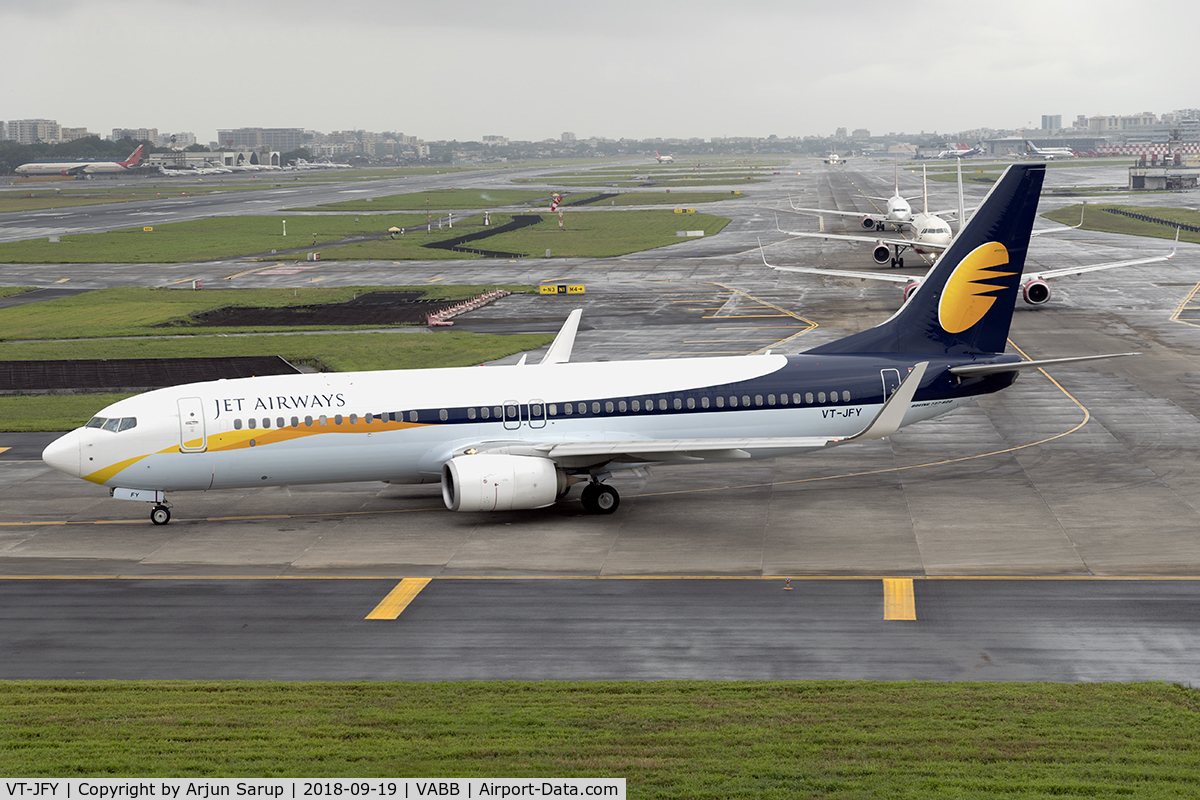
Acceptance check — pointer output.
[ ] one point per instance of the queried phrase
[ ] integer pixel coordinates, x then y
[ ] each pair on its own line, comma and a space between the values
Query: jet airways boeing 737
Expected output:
81, 167
518, 437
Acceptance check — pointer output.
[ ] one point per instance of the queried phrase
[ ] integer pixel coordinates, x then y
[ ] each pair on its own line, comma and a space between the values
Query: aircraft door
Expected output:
537, 414
891, 382
512, 415
192, 435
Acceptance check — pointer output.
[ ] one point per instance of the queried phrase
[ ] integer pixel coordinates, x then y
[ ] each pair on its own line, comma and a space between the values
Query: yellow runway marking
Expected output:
250, 271
398, 599
62, 280
435, 280
3, 449
1184, 306
898, 603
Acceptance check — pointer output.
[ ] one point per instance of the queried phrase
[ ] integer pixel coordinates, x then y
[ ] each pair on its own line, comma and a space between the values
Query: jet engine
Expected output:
910, 288
869, 223
881, 253
493, 482
1035, 292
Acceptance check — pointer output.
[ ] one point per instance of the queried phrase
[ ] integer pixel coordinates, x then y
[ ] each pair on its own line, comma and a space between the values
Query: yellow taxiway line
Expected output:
898, 602
398, 599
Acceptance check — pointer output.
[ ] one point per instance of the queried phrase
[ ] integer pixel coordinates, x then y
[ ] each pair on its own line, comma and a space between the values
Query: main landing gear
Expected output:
599, 498
897, 263
160, 515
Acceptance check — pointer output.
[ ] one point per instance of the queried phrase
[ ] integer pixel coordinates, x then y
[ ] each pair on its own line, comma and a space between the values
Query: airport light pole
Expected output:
285, 227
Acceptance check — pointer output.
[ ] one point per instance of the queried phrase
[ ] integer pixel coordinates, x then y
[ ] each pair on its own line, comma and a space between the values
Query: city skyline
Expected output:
615, 70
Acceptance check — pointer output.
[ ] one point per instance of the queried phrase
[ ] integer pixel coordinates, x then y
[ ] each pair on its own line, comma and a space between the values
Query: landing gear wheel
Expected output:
893, 263
900, 263
598, 498
161, 515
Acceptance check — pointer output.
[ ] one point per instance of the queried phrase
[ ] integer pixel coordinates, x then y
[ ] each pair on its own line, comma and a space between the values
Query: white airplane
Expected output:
834, 158
664, 159
518, 437
962, 151
931, 233
898, 213
81, 167
1048, 153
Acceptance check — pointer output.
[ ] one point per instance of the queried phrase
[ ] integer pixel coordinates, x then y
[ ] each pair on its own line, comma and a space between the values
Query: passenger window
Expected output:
662, 404
266, 422
308, 422
677, 403
808, 398
127, 423
622, 406
758, 399
649, 403
412, 416
279, 423
443, 415
733, 401
323, 420
337, 419
535, 410
237, 424
704, 402
820, 397
770, 399
845, 396
470, 413
110, 425
295, 422
568, 408
637, 405
608, 406
95, 422
720, 402
746, 400
252, 423
511, 411
583, 408
485, 412
595, 408
497, 412
783, 400
370, 418
354, 419
554, 409
691, 402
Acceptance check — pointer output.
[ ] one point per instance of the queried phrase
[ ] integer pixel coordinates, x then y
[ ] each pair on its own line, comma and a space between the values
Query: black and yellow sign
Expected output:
147, 229
561, 288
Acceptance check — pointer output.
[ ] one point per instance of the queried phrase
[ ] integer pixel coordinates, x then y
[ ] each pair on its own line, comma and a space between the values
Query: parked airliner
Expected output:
897, 216
518, 437
84, 167
1048, 153
664, 159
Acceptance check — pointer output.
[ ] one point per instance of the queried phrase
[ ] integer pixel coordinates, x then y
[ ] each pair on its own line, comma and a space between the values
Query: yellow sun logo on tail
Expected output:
972, 287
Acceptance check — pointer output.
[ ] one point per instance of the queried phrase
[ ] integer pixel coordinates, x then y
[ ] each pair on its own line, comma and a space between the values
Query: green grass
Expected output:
601, 234
9, 291
1095, 218
439, 199
130, 311
199, 240
654, 198
63, 412
671, 739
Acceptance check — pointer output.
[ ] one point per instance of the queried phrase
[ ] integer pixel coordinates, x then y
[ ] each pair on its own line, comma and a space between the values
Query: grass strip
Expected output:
437, 200
669, 739
1095, 218
135, 311
601, 234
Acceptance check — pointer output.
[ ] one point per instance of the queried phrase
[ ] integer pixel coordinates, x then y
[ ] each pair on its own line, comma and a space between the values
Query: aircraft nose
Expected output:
63, 454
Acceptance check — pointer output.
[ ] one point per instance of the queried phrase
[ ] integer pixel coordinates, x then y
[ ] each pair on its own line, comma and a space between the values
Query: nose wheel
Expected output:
598, 498
160, 515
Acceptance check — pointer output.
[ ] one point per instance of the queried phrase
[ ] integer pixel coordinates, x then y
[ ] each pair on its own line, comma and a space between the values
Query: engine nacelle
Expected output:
868, 223
492, 482
1035, 292
881, 253
910, 288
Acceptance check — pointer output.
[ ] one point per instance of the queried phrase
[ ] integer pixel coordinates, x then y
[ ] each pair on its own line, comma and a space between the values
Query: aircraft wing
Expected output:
824, 211
579, 454
1058, 273
841, 273
846, 237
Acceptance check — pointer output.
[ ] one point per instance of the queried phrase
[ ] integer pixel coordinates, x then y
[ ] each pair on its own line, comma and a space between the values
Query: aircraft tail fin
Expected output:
134, 158
965, 305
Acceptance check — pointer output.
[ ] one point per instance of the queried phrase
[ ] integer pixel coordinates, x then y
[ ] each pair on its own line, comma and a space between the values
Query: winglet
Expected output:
889, 418
560, 348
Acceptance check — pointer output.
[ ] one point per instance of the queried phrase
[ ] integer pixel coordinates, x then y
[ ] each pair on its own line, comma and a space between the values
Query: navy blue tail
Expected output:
965, 305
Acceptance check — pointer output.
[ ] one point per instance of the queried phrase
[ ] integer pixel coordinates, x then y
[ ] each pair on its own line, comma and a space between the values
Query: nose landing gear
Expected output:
160, 515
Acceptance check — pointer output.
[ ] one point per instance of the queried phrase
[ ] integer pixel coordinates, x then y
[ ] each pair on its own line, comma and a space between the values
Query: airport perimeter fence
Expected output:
1155, 220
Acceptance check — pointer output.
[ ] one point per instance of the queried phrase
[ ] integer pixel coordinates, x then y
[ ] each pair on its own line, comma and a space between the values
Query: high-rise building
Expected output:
282, 139
1051, 122
137, 134
32, 131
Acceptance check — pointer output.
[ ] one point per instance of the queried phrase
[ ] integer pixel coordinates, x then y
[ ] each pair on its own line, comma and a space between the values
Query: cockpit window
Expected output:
111, 424
95, 422
127, 423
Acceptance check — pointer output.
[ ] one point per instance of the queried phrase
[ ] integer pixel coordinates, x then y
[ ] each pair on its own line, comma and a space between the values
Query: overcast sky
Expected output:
609, 68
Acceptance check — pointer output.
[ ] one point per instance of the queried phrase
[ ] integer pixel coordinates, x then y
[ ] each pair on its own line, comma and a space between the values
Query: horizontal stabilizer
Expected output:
994, 369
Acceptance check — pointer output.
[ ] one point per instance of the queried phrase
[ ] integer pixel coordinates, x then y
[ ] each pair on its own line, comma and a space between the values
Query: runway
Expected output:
1087, 473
